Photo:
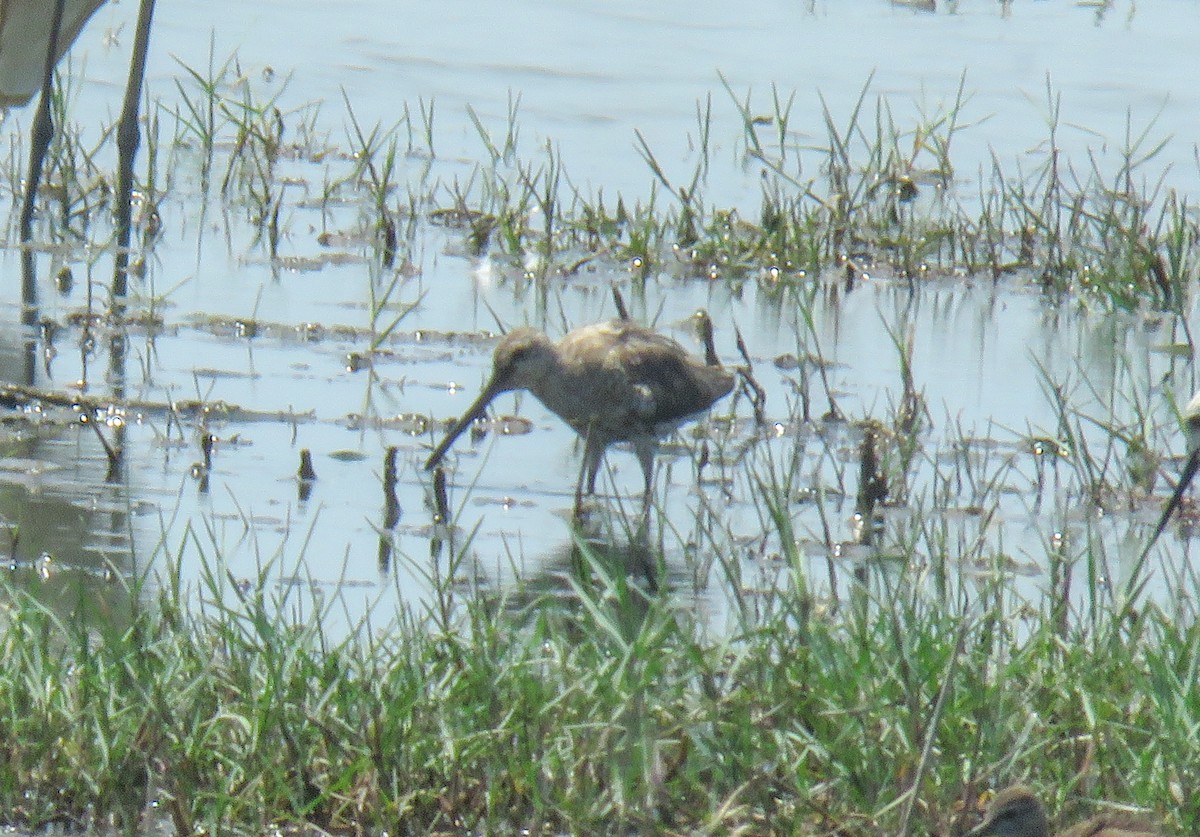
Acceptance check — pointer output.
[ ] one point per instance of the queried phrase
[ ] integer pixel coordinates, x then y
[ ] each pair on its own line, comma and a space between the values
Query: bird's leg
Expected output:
644, 448
592, 454
39, 146
578, 512
128, 139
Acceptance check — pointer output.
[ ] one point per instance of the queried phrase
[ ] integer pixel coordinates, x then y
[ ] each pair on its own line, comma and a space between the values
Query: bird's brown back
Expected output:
625, 380
1112, 825
1017, 812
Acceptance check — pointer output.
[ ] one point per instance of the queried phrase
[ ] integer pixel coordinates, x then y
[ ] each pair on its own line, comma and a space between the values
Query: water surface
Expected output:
587, 78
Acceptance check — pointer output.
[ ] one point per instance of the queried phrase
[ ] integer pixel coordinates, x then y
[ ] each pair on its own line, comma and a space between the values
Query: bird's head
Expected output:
1015, 812
523, 358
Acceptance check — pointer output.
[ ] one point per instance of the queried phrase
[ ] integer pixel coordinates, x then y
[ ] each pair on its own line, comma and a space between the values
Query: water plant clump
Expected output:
879, 196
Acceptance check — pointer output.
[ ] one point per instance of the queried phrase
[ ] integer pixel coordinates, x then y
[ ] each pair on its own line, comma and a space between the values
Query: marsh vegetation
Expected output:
911, 577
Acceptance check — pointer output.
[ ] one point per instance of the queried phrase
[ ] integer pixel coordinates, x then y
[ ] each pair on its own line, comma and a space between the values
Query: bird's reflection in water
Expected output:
586, 580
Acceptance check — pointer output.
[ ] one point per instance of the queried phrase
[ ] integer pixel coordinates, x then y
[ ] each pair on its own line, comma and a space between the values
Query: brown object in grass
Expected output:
1017, 812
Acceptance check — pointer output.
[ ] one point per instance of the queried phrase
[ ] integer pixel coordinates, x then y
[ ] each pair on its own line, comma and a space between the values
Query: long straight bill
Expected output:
1185, 479
473, 412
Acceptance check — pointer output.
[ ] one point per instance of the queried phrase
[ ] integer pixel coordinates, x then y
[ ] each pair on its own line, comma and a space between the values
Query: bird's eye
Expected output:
519, 354
516, 356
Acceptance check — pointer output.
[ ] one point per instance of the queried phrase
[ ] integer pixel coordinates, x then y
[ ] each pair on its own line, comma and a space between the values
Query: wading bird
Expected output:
1017, 812
27, 32
611, 382
1191, 421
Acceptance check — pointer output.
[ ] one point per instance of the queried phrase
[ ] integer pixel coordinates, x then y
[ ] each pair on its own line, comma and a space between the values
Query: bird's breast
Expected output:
591, 399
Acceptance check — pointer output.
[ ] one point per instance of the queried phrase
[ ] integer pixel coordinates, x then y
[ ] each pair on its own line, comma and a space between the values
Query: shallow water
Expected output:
587, 77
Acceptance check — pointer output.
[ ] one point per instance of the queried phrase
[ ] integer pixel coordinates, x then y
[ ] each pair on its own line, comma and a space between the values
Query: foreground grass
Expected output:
603, 711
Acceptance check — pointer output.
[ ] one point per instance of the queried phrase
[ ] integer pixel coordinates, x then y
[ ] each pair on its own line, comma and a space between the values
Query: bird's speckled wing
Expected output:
678, 384
621, 380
